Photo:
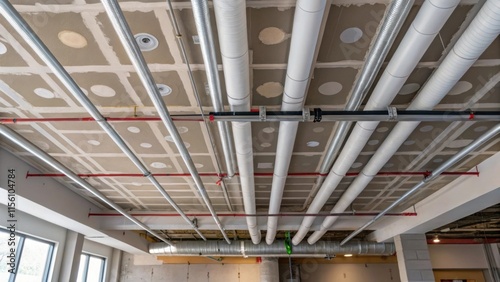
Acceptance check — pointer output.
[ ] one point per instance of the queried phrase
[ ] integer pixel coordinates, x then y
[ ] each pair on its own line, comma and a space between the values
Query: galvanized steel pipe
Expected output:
121, 27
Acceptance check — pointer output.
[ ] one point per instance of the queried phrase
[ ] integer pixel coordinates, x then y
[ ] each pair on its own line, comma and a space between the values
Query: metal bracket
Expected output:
393, 113
262, 113
306, 114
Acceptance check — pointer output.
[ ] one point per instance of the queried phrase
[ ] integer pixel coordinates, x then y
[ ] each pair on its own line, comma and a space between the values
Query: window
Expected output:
91, 268
24, 258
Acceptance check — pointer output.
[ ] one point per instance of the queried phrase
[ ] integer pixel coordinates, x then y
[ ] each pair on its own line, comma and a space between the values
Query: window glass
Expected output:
33, 257
91, 268
95, 269
82, 268
33, 261
4, 254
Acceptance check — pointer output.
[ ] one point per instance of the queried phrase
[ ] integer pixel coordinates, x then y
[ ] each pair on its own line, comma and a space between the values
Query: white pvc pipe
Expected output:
231, 21
429, 20
305, 34
477, 37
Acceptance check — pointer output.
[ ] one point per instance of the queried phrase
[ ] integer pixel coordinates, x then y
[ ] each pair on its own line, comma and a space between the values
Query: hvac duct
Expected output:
121, 27
389, 28
429, 20
232, 26
40, 154
447, 164
306, 27
477, 37
44, 53
201, 15
276, 249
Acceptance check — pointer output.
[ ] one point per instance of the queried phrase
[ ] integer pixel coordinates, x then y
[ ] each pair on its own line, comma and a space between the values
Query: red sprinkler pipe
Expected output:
254, 215
258, 174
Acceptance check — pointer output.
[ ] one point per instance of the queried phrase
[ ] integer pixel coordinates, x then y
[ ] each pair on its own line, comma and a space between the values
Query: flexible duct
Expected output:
40, 154
201, 16
396, 14
44, 53
231, 21
447, 164
123, 31
477, 37
305, 34
276, 249
429, 20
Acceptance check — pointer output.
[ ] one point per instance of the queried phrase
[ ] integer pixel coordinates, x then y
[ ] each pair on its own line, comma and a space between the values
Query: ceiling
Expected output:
97, 61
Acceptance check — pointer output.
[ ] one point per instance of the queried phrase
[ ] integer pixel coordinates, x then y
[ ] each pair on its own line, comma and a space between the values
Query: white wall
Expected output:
36, 227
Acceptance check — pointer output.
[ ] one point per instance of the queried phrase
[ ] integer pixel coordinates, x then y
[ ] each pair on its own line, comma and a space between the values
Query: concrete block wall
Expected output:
414, 261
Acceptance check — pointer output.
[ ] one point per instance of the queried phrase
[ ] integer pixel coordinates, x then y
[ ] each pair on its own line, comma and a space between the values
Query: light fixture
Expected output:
146, 42
436, 239
347, 255
164, 89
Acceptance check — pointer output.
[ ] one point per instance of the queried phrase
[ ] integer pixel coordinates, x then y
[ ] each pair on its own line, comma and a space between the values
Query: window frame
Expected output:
19, 252
87, 257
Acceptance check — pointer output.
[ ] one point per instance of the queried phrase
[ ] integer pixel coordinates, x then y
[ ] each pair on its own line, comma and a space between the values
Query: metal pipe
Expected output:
257, 174
430, 18
392, 115
392, 22
201, 15
254, 215
44, 53
178, 35
121, 27
247, 248
447, 164
476, 38
35, 151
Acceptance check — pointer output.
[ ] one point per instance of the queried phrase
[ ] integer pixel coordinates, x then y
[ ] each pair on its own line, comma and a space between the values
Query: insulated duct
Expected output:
232, 26
201, 15
123, 31
477, 37
429, 20
46, 158
44, 53
276, 249
396, 14
447, 164
305, 34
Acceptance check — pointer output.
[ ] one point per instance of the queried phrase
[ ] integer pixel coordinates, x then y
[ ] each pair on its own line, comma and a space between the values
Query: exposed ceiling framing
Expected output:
81, 37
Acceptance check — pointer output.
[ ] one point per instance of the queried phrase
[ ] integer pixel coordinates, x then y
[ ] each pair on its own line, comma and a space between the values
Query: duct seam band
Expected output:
237, 57
414, 28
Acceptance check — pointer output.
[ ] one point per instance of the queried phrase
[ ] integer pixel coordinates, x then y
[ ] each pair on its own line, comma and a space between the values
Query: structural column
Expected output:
71, 257
269, 270
413, 258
